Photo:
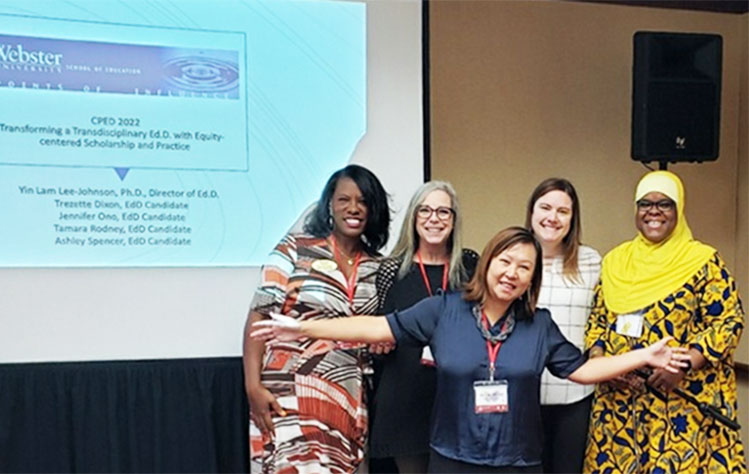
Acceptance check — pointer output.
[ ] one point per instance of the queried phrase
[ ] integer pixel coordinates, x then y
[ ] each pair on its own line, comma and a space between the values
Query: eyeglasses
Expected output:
443, 213
664, 205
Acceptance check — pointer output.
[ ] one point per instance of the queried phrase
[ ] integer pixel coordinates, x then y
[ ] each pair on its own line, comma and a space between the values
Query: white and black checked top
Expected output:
570, 305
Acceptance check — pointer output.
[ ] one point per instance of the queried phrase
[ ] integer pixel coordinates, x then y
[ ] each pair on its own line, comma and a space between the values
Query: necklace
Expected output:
350, 259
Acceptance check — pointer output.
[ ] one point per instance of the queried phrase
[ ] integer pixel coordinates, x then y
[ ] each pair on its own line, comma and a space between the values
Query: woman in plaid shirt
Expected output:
570, 273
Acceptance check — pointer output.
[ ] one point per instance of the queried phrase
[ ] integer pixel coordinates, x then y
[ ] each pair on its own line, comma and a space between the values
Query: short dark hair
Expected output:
571, 241
377, 231
476, 289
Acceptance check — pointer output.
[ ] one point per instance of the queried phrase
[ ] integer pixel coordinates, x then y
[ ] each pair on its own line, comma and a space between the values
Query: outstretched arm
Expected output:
658, 355
369, 329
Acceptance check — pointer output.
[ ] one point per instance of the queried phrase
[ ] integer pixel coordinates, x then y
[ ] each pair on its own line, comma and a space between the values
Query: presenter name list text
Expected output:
124, 217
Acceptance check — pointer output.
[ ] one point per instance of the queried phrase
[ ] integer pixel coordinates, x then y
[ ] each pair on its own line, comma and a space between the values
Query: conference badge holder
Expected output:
630, 324
491, 396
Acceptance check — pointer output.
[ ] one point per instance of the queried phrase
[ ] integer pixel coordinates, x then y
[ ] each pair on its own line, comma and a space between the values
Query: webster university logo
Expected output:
16, 54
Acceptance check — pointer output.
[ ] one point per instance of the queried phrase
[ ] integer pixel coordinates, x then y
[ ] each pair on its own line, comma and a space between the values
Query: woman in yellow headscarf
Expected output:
663, 282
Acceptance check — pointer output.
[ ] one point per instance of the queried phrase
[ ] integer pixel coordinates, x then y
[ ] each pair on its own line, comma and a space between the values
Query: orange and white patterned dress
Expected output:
318, 383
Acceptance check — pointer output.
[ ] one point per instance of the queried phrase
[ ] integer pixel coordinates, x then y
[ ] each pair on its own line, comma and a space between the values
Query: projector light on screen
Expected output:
188, 135
153, 152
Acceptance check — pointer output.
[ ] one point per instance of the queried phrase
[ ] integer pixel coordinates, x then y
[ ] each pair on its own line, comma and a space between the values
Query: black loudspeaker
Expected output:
676, 80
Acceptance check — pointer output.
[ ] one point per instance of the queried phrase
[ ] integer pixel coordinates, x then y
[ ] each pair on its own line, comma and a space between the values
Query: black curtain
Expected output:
186, 415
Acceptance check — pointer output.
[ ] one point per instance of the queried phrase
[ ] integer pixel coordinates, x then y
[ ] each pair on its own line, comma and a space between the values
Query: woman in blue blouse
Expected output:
491, 345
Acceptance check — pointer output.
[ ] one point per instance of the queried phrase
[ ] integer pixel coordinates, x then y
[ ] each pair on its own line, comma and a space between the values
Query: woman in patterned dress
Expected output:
307, 408
661, 283
571, 272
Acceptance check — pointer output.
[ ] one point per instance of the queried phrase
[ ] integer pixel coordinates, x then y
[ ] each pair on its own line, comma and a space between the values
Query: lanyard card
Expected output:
630, 324
491, 396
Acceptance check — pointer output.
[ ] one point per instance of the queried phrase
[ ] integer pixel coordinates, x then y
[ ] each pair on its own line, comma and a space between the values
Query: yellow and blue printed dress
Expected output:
635, 432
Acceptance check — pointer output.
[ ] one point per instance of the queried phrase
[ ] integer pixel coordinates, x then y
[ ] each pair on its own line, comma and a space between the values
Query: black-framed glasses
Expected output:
664, 205
443, 213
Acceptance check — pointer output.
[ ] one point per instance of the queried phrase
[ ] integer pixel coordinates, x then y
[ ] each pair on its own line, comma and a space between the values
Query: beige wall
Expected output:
742, 227
524, 90
742, 196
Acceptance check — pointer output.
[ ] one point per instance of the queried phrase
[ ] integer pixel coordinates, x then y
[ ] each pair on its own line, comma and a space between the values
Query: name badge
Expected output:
491, 396
324, 265
427, 358
630, 324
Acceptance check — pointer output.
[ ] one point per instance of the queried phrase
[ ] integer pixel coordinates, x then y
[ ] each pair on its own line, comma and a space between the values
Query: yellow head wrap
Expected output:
639, 272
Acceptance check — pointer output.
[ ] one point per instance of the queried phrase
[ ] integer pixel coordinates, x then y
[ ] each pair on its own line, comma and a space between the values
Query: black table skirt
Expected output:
184, 415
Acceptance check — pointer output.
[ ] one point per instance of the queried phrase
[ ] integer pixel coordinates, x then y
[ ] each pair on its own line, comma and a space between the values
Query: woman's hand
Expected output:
664, 380
668, 381
262, 404
662, 356
381, 348
628, 381
279, 328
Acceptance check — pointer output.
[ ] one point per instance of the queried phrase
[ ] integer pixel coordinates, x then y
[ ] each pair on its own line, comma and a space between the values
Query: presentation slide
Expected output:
153, 152
161, 133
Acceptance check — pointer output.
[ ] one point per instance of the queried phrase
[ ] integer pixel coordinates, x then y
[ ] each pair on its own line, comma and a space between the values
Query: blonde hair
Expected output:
408, 240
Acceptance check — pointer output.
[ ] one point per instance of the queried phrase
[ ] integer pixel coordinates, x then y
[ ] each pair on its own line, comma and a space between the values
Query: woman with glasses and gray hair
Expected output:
428, 259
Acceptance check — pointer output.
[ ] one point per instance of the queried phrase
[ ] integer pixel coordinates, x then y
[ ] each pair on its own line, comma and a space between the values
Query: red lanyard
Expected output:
426, 279
491, 349
351, 280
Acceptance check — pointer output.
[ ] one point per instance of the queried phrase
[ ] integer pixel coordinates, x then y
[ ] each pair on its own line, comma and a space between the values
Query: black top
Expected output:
401, 407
